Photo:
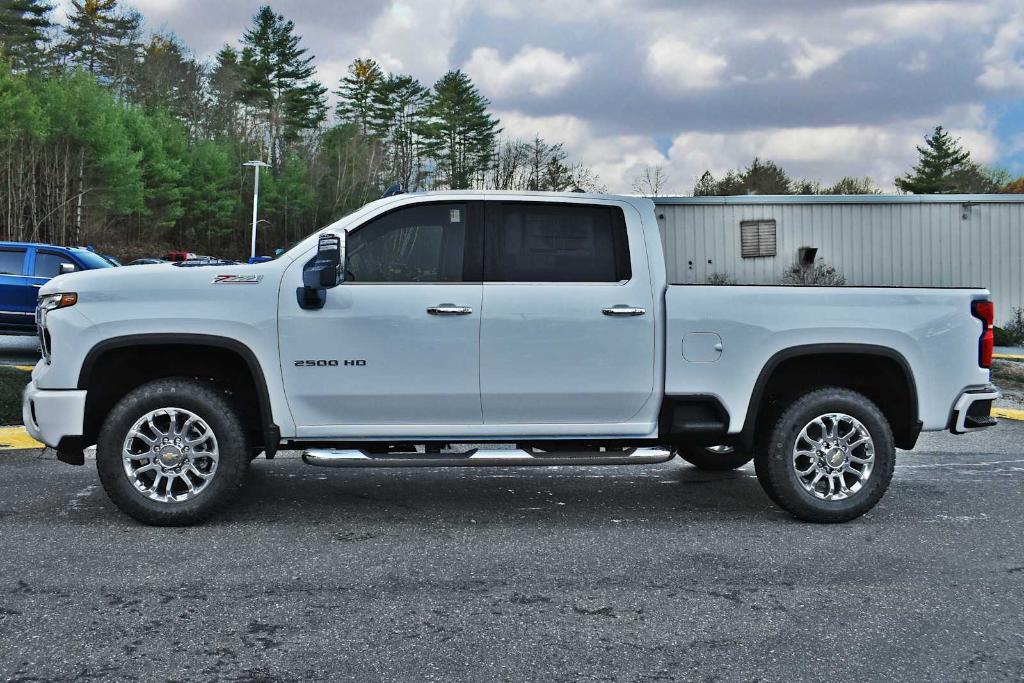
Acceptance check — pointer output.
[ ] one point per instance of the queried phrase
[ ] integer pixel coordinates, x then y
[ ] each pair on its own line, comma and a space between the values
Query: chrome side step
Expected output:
483, 457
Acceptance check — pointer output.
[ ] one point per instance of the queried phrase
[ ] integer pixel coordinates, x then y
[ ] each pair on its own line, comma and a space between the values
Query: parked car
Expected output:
176, 256
24, 268
401, 328
147, 261
113, 261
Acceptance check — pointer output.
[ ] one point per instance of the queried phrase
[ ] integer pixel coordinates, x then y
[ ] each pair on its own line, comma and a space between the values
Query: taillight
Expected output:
985, 311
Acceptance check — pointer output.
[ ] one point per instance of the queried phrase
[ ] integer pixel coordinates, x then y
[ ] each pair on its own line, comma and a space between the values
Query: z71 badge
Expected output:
237, 279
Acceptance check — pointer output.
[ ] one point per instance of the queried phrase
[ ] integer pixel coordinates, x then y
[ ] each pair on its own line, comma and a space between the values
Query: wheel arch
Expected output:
223, 347
836, 363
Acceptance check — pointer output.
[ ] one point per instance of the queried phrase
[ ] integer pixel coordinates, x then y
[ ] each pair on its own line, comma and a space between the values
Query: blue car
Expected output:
24, 268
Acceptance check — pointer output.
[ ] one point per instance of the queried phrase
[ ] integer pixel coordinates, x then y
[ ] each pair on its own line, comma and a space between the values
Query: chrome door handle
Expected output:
449, 309
621, 310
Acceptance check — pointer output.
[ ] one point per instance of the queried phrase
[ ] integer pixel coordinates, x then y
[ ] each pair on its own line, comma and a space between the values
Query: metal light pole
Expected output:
256, 165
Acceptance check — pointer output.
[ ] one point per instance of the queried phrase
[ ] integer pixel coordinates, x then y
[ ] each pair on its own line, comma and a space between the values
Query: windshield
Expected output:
92, 260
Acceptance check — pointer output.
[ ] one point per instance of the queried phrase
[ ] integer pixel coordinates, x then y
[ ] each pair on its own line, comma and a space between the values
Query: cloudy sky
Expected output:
825, 87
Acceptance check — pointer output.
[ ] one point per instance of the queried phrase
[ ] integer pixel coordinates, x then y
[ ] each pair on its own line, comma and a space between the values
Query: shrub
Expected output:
720, 279
1012, 334
820, 274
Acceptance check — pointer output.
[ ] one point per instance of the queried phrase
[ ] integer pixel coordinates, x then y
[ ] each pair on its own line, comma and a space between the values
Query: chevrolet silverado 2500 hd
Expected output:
537, 321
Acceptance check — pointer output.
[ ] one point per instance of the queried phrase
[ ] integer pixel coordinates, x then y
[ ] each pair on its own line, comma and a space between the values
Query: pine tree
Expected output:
459, 133
277, 80
102, 40
939, 161
396, 118
706, 186
356, 93
23, 27
225, 84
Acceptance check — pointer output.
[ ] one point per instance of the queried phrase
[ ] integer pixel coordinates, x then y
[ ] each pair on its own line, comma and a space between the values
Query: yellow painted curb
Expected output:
1007, 356
12, 438
1008, 413
29, 368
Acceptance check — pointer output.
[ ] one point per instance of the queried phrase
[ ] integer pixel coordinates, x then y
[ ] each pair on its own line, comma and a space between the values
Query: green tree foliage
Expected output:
767, 177
277, 81
940, 168
459, 133
761, 177
24, 25
167, 78
102, 39
131, 144
356, 93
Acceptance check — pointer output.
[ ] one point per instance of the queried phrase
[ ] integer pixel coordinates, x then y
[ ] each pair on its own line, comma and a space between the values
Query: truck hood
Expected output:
128, 283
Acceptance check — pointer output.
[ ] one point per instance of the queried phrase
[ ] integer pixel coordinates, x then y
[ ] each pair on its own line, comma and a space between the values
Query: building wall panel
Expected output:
897, 241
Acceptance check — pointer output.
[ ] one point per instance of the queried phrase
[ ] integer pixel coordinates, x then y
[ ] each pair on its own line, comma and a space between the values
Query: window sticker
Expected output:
455, 216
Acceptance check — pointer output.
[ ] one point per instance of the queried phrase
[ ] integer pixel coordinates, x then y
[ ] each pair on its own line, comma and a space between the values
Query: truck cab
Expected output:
537, 326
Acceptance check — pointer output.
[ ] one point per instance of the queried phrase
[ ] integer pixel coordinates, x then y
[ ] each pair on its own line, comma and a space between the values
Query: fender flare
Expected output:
757, 394
271, 432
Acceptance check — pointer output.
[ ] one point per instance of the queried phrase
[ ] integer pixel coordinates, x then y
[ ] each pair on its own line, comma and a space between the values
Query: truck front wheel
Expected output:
715, 458
829, 458
172, 452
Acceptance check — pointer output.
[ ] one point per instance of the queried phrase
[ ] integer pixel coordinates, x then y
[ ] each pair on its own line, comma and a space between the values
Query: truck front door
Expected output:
398, 342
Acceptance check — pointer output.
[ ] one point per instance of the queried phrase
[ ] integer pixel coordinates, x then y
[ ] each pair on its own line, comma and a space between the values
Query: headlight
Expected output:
49, 302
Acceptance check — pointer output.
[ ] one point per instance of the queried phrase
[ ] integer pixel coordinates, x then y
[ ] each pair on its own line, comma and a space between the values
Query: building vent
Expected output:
757, 238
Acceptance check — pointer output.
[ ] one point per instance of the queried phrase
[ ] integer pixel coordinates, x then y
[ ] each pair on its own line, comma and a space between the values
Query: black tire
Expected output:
203, 400
711, 461
774, 461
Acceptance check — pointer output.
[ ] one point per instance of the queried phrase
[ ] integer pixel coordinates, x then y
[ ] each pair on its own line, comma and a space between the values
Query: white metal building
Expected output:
892, 240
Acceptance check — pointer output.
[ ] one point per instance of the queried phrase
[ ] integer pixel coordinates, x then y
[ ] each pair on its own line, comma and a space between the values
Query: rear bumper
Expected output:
973, 410
51, 415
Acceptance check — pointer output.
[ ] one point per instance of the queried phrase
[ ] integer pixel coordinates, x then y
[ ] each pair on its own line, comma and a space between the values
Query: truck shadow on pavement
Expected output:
483, 495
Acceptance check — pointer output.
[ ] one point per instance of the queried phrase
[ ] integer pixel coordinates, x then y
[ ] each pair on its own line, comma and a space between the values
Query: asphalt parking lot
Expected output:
624, 574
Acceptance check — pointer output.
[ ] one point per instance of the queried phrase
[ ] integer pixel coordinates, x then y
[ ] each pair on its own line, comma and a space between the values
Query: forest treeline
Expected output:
118, 137
112, 137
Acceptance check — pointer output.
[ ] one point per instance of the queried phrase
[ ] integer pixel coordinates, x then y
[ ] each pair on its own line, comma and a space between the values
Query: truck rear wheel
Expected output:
172, 452
714, 458
829, 458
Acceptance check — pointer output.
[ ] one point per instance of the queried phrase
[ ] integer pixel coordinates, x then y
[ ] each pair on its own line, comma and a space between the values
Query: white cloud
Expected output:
1004, 61
681, 65
828, 152
533, 69
812, 57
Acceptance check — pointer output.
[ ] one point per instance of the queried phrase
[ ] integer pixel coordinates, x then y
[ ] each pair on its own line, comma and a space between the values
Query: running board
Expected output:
483, 457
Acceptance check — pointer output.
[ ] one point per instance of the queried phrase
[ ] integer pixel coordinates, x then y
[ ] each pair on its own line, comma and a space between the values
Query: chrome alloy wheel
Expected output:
170, 455
833, 456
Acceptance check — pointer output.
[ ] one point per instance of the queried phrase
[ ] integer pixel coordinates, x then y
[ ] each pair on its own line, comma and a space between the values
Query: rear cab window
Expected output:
537, 242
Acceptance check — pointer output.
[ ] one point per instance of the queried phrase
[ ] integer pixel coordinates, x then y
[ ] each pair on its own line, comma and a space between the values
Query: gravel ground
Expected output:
624, 574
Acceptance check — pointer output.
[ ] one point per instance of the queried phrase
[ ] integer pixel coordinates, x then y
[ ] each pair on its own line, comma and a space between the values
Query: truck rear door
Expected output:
568, 326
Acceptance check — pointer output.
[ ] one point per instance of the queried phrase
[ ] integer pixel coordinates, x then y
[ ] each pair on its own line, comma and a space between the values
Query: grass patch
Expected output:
12, 384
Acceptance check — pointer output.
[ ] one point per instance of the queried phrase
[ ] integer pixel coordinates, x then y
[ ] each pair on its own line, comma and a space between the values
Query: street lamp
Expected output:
256, 165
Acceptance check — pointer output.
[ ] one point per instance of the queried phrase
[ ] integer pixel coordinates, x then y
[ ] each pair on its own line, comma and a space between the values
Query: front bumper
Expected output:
51, 415
973, 410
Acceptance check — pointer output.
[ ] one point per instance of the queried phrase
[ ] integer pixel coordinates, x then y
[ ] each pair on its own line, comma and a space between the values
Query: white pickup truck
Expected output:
537, 326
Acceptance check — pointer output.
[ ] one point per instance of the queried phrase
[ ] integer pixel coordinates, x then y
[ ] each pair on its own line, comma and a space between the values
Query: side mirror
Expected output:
66, 268
326, 270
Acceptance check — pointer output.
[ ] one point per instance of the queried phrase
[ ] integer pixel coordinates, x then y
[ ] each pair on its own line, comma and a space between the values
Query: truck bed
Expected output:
721, 339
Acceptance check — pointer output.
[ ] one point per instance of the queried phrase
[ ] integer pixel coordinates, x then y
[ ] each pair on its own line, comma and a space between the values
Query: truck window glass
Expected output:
548, 243
423, 243
11, 261
48, 265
